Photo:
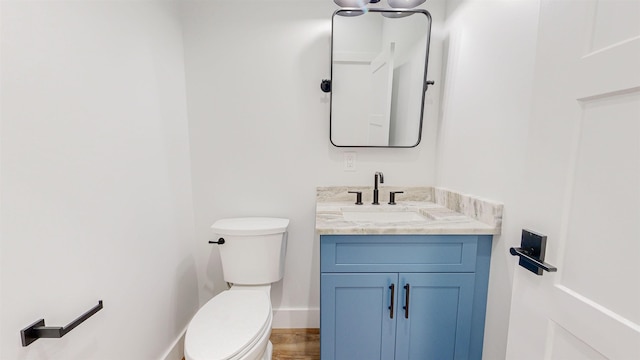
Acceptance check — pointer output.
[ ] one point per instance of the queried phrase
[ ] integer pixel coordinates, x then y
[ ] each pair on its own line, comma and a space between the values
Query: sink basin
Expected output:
381, 216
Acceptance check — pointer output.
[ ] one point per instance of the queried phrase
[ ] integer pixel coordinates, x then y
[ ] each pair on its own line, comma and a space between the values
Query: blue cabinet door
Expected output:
355, 319
438, 322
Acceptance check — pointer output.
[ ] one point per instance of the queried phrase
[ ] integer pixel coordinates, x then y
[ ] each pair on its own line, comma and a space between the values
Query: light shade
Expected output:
397, 14
404, 4
351, 3
350, 13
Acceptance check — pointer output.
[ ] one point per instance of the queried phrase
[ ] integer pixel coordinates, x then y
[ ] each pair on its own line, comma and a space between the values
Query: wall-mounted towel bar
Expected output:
37, 330
531, 252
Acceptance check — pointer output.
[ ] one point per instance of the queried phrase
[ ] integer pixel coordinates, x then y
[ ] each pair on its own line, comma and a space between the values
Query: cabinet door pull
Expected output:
393, 290
406, 302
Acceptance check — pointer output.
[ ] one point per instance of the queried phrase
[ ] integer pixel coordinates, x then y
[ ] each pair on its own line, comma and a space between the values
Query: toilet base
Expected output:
268, 352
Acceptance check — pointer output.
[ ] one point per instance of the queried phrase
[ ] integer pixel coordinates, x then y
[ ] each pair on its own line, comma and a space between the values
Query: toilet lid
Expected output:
227, 324
250, 226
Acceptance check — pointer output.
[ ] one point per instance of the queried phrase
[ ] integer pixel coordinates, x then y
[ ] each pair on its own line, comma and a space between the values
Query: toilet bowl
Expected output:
236, 324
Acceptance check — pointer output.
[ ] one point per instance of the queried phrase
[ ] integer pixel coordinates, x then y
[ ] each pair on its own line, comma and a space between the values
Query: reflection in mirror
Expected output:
378, 76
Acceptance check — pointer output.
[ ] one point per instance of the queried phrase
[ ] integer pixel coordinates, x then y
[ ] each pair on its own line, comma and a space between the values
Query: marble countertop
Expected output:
444, 212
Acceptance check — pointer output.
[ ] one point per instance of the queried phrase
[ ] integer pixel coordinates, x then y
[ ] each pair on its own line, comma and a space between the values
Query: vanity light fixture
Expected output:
396, 14
353, 3
397, 4
404, 4
351, 13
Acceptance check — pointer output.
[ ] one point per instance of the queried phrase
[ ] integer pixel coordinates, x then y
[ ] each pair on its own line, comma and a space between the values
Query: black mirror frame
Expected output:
425, 82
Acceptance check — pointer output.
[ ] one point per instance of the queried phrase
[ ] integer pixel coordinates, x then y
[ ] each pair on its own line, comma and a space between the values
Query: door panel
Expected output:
567, 346
625, 26
355, 316
594, 324
609, 132
439, 322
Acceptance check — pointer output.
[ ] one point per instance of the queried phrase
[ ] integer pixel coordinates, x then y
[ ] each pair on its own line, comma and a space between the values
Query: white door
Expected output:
583, 187
381, 90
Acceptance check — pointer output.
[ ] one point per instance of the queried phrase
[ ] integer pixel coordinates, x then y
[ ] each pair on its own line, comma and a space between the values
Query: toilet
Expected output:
236, 324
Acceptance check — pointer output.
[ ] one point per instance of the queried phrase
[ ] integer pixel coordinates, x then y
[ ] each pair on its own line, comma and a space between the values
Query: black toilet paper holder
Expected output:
38, 329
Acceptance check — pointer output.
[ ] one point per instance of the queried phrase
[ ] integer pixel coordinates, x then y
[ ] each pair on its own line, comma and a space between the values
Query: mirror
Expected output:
378, 77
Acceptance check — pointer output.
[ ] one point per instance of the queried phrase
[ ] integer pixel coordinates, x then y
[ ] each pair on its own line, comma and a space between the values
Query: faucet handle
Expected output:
392, 196
358, 196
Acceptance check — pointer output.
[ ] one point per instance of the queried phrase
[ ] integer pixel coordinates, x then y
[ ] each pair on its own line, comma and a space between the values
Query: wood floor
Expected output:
298, 344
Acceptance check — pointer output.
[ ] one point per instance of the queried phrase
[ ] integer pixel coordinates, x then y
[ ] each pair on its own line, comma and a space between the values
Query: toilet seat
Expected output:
228, 326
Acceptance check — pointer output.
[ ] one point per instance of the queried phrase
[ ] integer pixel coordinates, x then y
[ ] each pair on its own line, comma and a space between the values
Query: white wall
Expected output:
108, 78
484, 123
96, 200
259, 133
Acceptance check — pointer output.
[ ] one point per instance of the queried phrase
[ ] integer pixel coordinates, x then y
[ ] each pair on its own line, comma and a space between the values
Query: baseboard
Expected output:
176, 350
296, 318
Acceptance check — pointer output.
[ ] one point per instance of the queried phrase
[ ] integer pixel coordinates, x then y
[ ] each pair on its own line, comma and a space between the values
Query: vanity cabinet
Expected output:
403, 296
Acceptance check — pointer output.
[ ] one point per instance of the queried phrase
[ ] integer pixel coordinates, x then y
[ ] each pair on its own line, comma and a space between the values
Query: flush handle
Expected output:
219, 242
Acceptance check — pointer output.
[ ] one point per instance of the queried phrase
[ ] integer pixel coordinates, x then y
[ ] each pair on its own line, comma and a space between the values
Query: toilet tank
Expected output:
254, 249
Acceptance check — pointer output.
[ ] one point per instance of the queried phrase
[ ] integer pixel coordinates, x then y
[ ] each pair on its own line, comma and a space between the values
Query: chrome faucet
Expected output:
375, 186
